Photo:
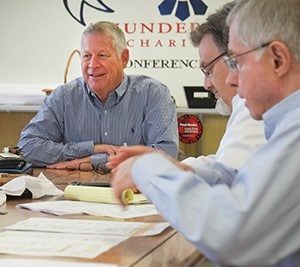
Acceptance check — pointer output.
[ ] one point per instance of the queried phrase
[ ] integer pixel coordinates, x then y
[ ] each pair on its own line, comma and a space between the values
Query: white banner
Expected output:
37, 37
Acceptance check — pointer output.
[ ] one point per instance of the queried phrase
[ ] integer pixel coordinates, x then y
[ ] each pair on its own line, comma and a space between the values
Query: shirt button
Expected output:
105, 133
105, 112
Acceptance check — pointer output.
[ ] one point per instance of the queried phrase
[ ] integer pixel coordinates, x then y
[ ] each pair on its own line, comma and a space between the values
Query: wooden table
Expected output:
167, 249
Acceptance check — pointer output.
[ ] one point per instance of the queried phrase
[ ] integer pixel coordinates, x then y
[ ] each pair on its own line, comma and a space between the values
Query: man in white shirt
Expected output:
243, 134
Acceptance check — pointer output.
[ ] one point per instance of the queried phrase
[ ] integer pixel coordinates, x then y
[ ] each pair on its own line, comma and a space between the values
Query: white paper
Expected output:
46, 263
2, 197
67, 207
39, 186
89, 227
56, 244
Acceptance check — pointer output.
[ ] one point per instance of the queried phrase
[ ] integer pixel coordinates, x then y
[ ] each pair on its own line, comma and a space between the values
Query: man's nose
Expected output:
94, 61
207, 84
232, 78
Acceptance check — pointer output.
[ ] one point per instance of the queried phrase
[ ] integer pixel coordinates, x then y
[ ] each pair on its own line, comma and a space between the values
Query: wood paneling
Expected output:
12, 124
214, 126
213, 129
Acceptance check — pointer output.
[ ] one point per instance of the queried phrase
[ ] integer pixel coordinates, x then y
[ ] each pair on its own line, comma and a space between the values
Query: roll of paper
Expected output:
96, 194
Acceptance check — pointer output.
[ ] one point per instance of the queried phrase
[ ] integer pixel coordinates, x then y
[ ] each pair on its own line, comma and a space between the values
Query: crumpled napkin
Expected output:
38, 187
2, 197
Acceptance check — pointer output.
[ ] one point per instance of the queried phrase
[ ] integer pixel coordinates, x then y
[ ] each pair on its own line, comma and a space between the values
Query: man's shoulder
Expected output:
143, 82
74, 87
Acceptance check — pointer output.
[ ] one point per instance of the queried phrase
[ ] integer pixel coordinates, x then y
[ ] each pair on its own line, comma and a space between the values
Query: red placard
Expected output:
190, 128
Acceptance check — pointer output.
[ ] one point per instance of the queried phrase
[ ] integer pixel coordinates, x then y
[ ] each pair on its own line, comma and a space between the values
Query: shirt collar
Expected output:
278, 112
118, 92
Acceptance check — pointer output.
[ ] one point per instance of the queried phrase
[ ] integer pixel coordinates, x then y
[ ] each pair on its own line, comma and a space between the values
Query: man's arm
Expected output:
41, 141
231, 224
160, 128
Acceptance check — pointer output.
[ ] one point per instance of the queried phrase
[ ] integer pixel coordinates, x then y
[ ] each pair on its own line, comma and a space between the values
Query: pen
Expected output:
99, 184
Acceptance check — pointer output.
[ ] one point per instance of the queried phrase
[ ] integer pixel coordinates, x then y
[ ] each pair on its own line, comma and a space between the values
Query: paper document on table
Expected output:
46, 263
56, 244
139, 199
65, 207
89, 227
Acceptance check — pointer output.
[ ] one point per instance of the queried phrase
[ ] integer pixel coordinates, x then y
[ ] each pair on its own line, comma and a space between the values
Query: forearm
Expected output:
41, 152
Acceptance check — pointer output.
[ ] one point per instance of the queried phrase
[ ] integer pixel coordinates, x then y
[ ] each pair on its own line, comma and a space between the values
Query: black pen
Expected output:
99, 184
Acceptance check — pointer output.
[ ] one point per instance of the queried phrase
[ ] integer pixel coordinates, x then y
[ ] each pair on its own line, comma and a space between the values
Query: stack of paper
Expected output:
70, 238
66, 207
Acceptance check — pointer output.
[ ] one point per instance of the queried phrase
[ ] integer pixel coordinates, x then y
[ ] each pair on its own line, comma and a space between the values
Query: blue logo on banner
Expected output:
165, 8
100, 6
182, 10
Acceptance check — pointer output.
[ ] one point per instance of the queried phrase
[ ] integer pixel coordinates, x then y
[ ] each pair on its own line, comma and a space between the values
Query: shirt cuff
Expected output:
85, 149
98, 161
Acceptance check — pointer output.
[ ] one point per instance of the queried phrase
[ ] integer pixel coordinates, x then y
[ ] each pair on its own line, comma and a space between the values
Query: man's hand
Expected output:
124, 153
108, 149
181, 165
83, 164
122, 178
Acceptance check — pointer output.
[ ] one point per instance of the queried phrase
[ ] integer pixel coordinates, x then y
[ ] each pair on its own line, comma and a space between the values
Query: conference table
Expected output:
166, 249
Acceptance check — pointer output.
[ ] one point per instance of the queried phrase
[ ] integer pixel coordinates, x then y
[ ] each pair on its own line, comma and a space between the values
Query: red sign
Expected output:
190, 129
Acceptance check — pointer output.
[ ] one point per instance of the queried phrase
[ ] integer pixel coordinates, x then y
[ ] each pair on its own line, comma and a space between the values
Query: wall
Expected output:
38, 35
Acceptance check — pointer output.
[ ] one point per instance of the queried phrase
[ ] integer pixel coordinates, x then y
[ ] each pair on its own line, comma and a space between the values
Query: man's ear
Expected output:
282, 58
125, 57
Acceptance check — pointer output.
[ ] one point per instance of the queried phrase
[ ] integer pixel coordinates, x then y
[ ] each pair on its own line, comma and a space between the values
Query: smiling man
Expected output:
88, 119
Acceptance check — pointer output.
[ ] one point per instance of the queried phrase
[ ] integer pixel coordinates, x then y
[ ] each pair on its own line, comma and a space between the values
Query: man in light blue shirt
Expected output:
249, 217
91, 117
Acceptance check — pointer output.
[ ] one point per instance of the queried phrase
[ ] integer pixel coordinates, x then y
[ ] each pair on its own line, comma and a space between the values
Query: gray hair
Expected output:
261, 21
214, 25
110, 29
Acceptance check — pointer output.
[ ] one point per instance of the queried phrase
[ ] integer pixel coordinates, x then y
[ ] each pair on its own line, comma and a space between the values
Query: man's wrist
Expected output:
99, 162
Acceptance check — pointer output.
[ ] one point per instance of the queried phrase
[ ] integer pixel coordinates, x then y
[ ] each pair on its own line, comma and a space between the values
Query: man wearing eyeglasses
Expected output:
243, 134
250, 217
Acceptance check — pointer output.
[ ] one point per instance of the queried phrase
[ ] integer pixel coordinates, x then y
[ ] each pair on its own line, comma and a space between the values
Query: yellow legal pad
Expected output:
102, 195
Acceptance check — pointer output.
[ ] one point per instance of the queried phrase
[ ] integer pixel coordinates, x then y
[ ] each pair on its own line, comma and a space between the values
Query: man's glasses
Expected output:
207, 69
232, 60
